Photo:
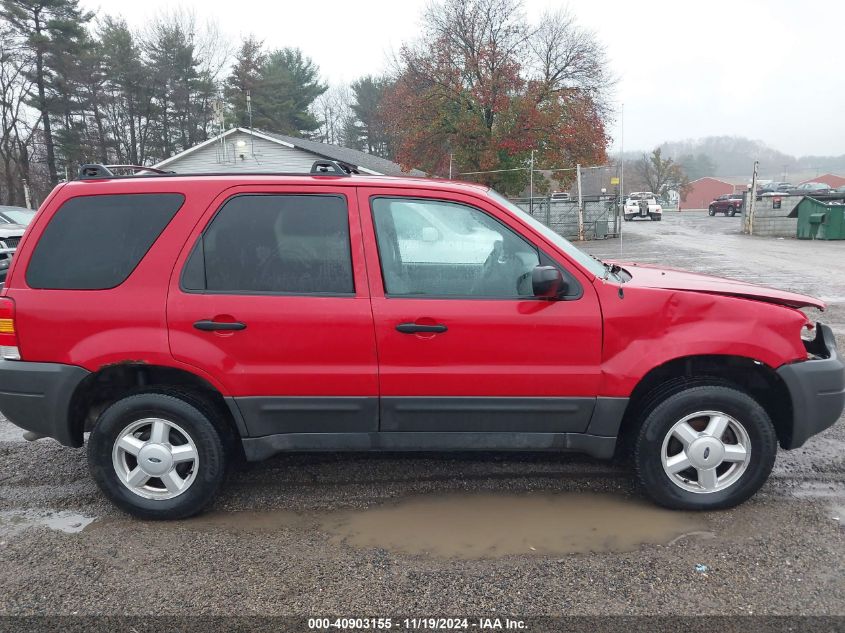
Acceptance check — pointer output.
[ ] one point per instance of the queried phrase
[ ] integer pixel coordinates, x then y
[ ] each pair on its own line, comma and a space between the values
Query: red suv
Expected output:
729, 204
189, 322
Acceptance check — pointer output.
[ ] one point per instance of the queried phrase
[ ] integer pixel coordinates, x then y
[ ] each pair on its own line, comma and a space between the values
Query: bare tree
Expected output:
333, 109
662, 174
567, 57
15, 87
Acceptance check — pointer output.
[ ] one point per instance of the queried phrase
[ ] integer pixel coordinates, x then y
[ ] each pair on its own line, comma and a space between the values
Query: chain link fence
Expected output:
601, 216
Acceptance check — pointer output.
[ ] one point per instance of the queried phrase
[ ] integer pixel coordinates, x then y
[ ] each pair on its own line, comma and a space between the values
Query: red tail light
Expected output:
8, 335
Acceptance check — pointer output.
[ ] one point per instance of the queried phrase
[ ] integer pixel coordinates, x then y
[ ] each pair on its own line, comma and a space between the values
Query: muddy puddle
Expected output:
466, 526
15, 521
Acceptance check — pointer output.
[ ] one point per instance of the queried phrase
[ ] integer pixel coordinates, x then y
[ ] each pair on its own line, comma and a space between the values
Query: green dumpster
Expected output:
820, 221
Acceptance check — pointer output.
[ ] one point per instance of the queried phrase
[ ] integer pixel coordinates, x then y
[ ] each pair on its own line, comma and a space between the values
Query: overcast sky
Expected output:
770, 70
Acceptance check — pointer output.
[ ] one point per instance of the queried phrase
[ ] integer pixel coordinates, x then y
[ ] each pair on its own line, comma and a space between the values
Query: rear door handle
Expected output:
210, 326
415, 328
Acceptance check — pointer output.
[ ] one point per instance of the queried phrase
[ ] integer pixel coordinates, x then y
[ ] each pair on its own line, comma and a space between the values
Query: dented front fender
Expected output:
648, 327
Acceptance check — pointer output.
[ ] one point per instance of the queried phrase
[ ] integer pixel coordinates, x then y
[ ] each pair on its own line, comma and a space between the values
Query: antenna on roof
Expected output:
249, 114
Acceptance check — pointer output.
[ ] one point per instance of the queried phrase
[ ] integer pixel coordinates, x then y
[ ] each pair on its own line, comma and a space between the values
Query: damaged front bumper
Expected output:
816, 387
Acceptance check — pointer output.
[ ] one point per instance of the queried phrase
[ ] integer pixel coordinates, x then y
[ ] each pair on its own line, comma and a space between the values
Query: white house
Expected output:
242, 149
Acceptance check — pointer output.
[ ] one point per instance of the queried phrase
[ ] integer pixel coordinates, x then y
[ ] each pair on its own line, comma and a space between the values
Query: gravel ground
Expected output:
295, 535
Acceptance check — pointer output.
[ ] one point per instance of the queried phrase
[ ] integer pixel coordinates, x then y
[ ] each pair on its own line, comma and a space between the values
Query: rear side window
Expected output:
95, 242
274, 244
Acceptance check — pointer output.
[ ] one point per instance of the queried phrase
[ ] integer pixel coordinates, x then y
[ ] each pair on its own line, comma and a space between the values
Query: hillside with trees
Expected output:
734, 156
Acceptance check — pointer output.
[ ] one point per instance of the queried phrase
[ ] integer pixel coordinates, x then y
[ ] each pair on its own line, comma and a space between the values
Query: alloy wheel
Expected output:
706, 452
155, 458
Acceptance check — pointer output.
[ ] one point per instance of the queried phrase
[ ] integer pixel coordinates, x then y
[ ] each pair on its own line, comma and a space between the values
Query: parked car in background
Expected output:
10, 235
774, 187
561, 196
729, 204
642, 204
810, 189
16, 215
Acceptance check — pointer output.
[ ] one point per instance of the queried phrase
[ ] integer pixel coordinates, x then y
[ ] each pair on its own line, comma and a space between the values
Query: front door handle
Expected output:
416, 328
211, 326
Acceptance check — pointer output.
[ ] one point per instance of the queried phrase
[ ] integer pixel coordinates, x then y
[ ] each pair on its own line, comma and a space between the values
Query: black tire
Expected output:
673, 408
201, 423
711, 211
732, 212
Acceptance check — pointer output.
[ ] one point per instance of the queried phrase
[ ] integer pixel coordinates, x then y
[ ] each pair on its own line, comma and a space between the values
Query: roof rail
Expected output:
326, 167
94, 171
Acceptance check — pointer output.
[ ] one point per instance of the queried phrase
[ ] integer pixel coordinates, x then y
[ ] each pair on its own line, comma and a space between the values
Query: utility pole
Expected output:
752, 199
450, 165
580, 204
622, 168
531, 185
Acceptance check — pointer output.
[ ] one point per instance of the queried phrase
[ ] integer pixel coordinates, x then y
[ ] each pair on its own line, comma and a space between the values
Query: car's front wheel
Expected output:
158, 455
711, 211
705, 448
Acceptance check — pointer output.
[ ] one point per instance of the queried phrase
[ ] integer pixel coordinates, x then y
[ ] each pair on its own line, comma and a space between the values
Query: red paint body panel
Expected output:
672, 279
598, 345
496, 347
292, 345
652, 326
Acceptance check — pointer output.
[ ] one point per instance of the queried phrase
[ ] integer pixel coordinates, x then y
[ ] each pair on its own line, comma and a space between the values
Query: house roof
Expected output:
367, 163
725, 182
832, 180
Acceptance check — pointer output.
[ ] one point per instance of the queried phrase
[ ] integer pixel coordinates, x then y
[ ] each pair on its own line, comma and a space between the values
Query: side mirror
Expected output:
548, 282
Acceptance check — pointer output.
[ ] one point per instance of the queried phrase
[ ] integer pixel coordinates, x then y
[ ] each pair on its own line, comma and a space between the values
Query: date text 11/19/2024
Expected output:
415, 624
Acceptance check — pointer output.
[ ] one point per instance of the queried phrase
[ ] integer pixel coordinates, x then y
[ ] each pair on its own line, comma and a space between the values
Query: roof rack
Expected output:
94, 171
328, 167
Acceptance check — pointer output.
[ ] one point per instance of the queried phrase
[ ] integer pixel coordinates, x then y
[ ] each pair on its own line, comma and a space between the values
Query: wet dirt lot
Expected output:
374, 535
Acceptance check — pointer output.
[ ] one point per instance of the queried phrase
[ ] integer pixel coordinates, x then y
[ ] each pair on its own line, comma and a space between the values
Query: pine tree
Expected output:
53, 30
244, 79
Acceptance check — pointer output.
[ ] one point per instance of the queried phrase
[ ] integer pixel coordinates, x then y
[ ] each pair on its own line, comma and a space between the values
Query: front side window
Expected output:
442, 249
274, 244
95, 242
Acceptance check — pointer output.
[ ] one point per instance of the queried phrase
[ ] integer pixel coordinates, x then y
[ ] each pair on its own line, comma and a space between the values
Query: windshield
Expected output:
587, 261
17, 216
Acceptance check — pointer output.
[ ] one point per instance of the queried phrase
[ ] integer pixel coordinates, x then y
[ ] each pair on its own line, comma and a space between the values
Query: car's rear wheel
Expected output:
158, 455
705, 448
732, 212
711, 211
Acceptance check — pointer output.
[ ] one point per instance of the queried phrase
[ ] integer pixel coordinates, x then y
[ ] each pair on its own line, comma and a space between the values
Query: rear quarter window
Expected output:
95, 242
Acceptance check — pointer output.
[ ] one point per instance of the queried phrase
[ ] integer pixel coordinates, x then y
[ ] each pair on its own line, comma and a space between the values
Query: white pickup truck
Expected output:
642, 204
10, 234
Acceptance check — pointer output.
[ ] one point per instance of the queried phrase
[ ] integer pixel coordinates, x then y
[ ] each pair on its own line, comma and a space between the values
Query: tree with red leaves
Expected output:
485, 87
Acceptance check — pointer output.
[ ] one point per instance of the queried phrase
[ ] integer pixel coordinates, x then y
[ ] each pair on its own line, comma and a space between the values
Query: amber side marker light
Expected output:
8, 337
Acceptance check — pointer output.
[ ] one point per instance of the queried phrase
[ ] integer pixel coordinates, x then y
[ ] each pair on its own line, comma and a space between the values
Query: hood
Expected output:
671, 279
7, 229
